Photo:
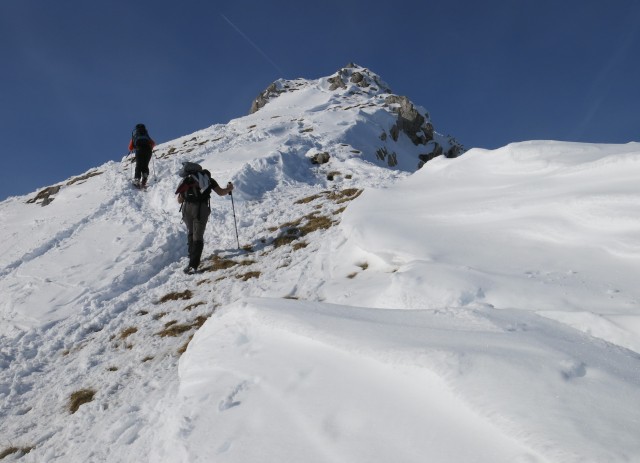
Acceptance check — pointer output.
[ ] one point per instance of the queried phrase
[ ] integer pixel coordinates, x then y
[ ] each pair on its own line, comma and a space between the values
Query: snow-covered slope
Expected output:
483, 308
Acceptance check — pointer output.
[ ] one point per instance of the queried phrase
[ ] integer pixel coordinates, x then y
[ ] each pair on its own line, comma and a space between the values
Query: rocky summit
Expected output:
362, 88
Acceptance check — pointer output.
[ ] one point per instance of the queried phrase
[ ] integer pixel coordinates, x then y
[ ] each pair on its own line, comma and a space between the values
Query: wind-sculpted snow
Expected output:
484, 308
465, 384
560, 233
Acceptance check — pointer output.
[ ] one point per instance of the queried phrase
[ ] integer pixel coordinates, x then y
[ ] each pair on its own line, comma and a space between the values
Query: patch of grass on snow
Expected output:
308, 199
128, 332
79, 398
248, 275
175, 296
221, 263
295, 229
11, 450
193, 306
348, 194
173, 329
299, 245
183, 348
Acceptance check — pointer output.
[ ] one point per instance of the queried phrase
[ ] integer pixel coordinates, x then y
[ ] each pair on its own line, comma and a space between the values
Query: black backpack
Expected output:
140, 137
190, 186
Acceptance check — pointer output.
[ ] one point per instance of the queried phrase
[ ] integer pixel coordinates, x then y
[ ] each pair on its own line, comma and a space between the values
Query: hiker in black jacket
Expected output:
143, 146
194, 193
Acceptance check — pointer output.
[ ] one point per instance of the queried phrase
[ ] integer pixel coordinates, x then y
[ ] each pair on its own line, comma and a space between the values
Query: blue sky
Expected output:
77, 76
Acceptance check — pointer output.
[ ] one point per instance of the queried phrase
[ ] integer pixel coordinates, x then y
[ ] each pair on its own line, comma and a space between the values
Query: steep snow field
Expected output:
482, 309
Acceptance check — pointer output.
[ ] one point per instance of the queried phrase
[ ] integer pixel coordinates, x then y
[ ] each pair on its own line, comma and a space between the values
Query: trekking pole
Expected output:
234, 219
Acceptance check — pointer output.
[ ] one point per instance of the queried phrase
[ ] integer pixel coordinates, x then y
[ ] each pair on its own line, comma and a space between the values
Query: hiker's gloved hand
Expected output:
230, 187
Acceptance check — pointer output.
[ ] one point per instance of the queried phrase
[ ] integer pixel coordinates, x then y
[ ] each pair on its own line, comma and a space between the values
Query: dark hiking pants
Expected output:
143, 156
195, 216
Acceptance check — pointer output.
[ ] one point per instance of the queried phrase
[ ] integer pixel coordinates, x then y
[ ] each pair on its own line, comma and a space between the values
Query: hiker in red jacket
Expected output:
143, 145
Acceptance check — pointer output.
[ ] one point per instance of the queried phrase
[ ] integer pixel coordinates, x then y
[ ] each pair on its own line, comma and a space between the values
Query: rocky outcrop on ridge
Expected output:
409, 119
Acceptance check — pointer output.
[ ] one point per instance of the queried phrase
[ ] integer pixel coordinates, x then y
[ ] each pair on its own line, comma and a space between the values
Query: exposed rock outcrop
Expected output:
412, 121
270, 92
45, 197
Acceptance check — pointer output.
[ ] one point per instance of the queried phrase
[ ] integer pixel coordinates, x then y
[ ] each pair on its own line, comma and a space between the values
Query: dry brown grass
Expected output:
11, 450
193, 306
79, 398
348, 194
293, 230
216, 262
199, 321
284, 240
183, 348
299, 245
173, 331
124, 334
176, 296
308, 199
248, 275
292, 224
316, 222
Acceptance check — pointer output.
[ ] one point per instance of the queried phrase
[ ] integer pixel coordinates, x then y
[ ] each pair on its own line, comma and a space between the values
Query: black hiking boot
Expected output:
189, 270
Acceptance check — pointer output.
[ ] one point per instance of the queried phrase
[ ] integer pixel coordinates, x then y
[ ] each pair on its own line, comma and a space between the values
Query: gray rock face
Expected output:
336, 82
270, 92
410, 121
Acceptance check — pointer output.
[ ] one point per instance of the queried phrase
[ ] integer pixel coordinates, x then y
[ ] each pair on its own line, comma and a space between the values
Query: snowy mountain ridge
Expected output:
481, 308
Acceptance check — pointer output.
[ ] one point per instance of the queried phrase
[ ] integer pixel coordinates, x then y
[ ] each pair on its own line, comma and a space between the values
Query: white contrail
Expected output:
253, 45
